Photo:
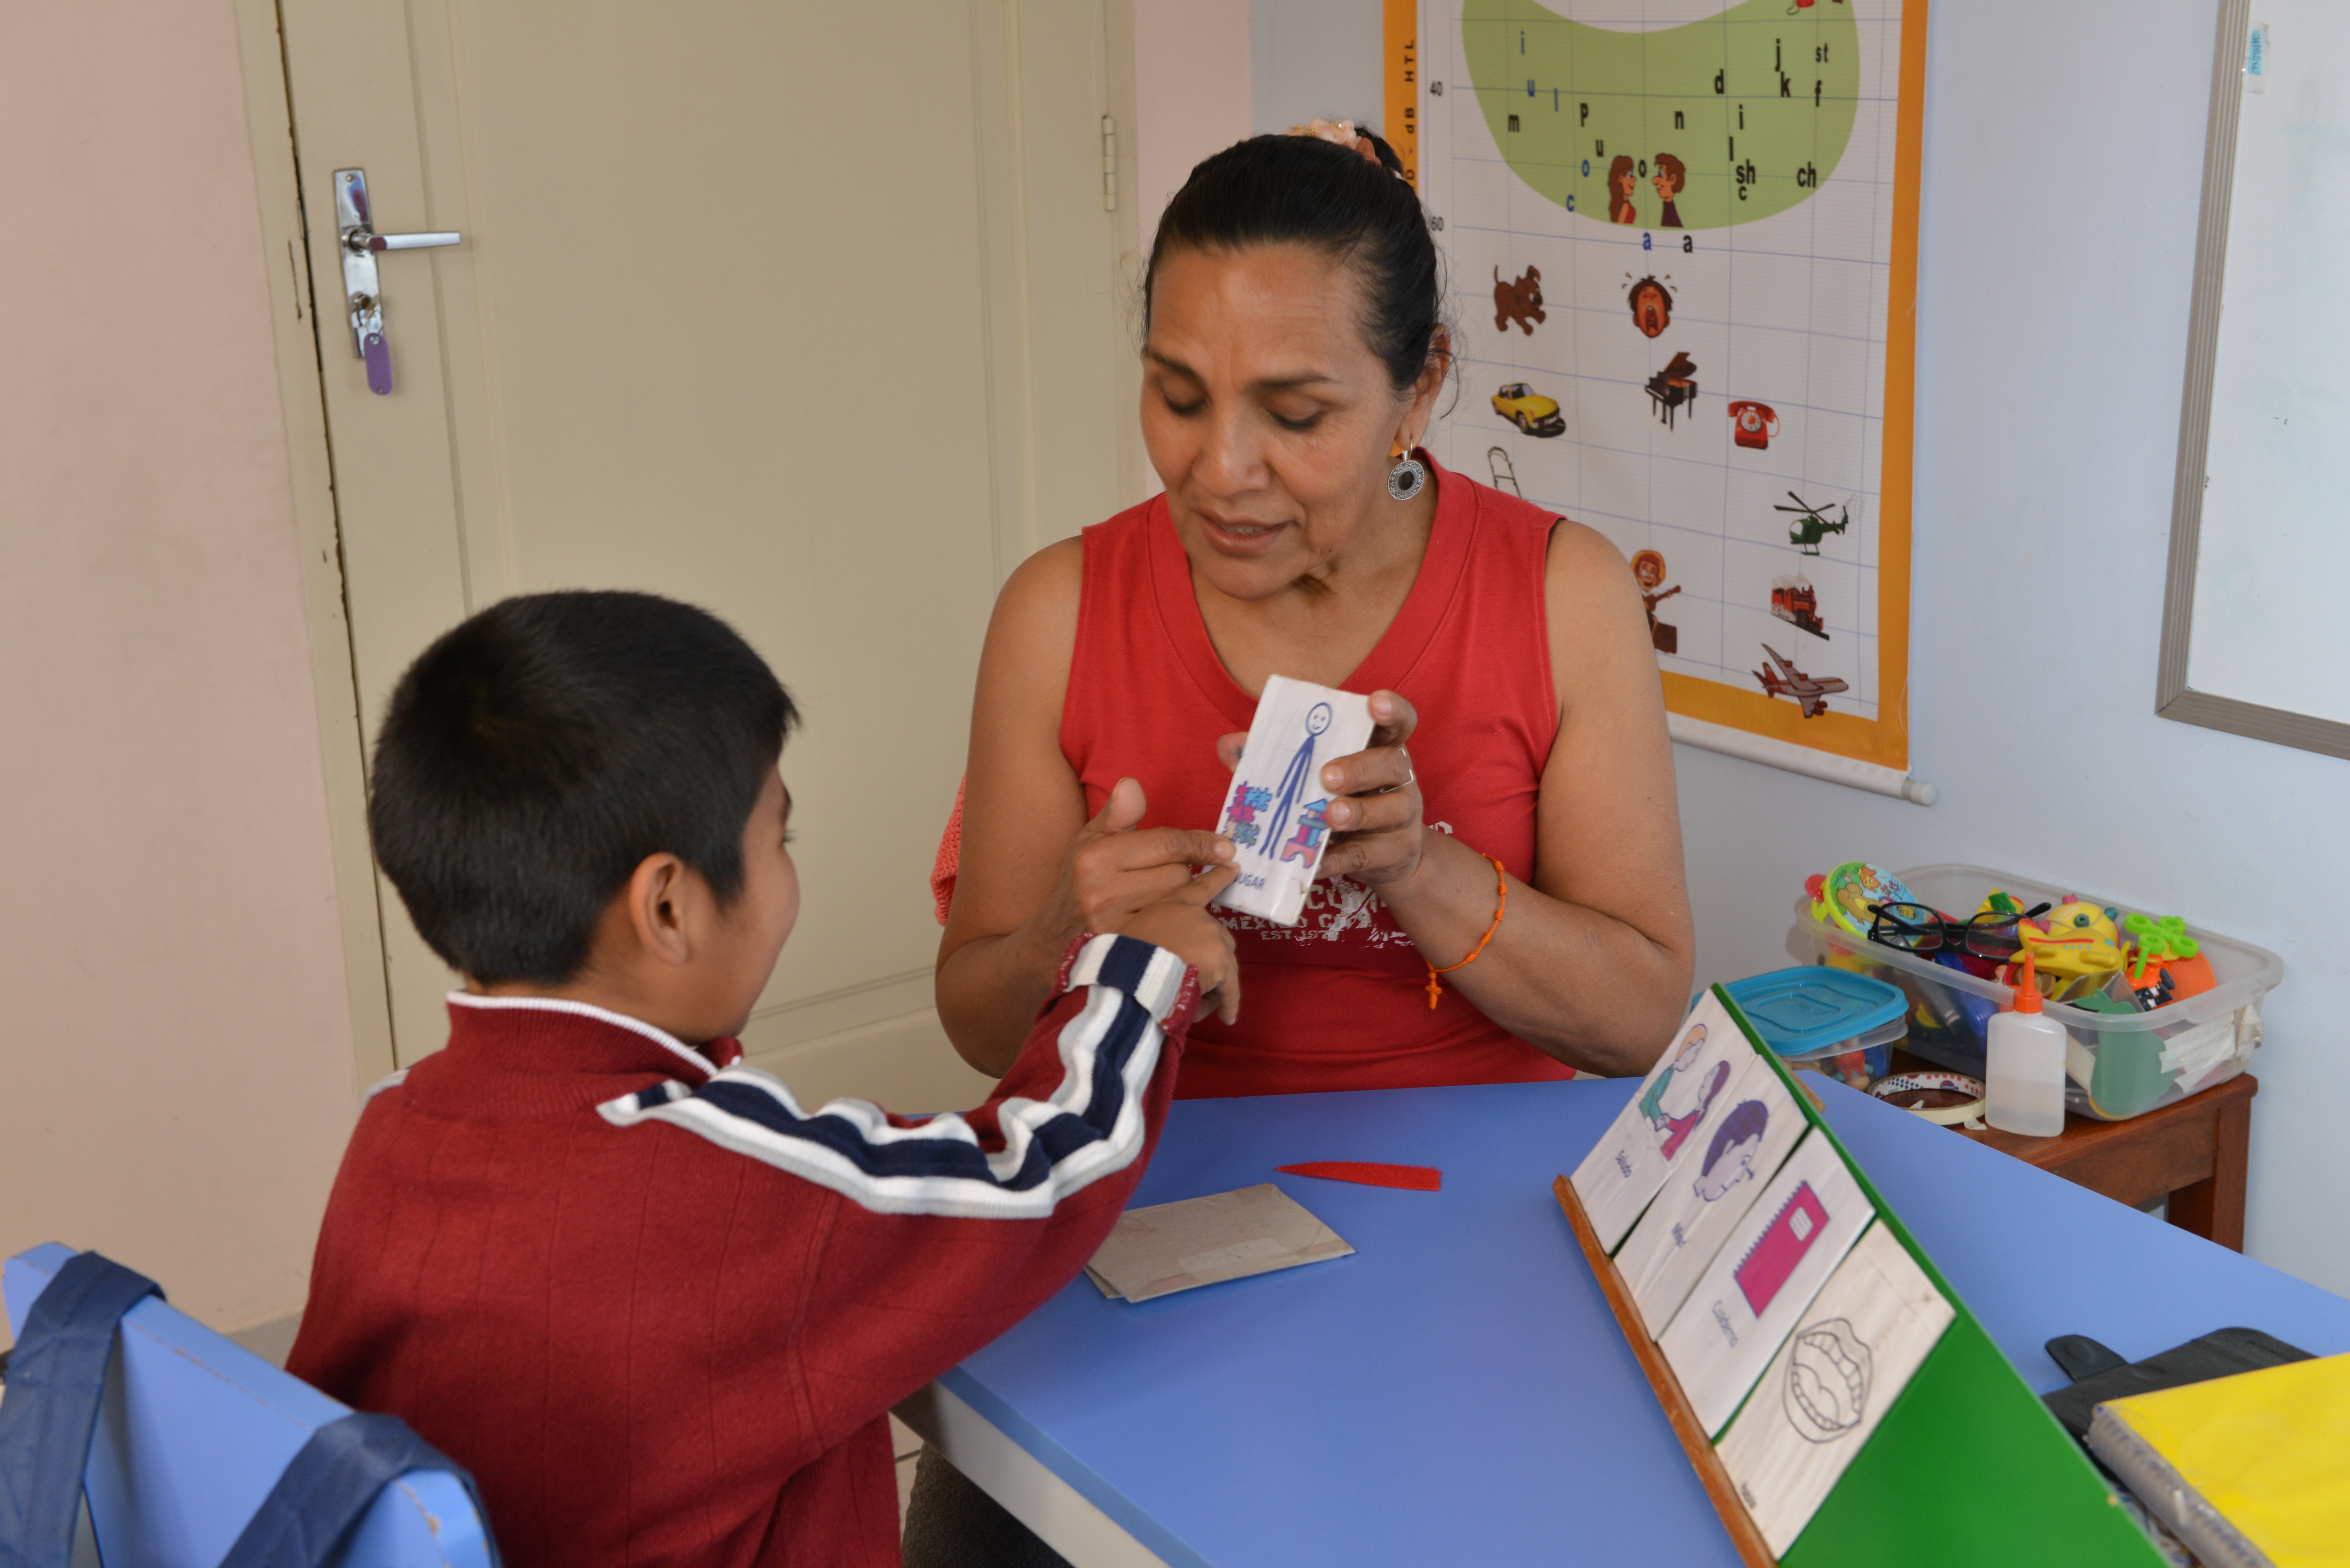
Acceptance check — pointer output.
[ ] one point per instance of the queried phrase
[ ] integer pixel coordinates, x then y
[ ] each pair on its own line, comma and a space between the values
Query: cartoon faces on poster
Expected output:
1730, 1157
1670, 180
1649, 570
1828, 1371
1652, 306
1621, 182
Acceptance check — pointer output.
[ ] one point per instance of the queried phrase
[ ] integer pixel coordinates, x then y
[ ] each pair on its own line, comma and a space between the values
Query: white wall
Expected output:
1310, 58
2057, 249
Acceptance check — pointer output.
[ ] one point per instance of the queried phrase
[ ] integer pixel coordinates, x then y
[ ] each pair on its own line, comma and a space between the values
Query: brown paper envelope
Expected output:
1172, 1247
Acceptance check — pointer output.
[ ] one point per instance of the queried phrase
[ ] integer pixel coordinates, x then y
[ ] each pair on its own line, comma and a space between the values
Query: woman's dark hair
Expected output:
533, 757
1303, 191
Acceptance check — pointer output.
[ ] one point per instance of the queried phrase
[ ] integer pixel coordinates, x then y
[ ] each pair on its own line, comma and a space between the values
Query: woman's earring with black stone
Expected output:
1405, 479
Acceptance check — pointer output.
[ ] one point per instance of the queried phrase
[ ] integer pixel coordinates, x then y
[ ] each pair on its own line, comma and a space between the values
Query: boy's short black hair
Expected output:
531, 759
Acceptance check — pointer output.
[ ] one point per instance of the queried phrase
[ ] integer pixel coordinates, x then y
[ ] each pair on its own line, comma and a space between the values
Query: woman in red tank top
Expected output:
1294, 355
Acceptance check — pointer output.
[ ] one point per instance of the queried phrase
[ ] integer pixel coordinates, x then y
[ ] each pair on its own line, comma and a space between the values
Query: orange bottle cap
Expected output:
2027, 991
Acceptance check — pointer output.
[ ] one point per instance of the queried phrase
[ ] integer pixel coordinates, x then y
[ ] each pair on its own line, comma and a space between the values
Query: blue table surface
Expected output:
1457, 1391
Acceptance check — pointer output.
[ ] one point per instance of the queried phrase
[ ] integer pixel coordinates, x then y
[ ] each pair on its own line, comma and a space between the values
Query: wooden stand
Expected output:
1752, 1548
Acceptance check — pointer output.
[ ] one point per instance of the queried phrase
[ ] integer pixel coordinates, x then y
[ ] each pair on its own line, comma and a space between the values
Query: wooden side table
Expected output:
2193, 1152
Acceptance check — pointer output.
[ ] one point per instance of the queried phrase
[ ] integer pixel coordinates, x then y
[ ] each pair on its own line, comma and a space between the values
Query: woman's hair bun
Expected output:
1303, 190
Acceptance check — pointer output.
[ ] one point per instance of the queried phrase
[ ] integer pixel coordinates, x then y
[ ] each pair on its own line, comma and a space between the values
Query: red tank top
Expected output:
1339, 1000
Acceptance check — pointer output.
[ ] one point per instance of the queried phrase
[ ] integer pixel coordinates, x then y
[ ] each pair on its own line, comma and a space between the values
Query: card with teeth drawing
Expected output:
1668, 1123
1869, 1328
1765, 1274
1276, 812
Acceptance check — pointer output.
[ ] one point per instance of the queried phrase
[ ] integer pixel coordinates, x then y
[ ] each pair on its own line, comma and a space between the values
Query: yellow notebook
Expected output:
2248, 1470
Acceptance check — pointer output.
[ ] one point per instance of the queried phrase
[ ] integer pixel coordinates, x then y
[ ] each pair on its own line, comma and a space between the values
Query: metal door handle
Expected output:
355, 228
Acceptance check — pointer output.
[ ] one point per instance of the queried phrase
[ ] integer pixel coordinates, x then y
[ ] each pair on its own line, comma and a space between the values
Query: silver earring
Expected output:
1405, 479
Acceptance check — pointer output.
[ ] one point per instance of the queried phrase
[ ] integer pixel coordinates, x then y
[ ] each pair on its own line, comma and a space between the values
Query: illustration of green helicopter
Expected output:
1811, 523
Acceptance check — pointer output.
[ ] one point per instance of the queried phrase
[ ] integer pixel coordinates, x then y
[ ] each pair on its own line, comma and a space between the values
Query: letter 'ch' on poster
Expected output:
1868, 1331
1738, 1151
1764, 1277
1667, 1125
1275, 814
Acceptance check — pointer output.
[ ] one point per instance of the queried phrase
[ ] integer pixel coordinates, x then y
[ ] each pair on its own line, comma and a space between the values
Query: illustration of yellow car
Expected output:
1529, 410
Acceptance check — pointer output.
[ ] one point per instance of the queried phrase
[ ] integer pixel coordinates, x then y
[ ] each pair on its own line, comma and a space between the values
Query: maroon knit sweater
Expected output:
659, 1311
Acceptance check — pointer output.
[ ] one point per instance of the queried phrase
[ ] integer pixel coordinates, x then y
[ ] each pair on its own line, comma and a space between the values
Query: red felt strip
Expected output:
1371, 1173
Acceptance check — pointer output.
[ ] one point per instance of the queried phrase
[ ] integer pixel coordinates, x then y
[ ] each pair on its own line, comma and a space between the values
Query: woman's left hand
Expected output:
1375, 834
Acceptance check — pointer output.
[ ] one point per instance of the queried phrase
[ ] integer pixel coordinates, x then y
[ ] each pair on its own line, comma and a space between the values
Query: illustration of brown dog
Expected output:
1520, 302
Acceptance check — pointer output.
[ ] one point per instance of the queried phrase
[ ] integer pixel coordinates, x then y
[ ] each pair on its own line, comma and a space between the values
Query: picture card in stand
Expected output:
1741, 1148
1866, 1332
1667, 1124
1765, 1274
1275, 814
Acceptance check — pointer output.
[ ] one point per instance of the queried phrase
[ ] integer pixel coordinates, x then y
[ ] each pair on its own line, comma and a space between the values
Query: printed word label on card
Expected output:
1866, 1332
1277, 813
1668, 1124
1765, 1274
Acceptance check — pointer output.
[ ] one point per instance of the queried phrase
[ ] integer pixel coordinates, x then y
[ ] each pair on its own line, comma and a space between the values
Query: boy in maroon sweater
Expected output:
656, 1306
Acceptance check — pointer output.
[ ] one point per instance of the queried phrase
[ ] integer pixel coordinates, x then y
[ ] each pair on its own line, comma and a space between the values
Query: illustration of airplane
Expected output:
1811, 523
1811, 691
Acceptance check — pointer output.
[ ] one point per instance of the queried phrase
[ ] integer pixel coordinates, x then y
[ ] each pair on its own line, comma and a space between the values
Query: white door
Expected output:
809, 313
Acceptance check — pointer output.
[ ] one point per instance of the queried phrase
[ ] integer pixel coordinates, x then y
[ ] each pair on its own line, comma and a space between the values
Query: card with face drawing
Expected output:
1766, 1272
1868, 1331
1275, 812
1739, 1151
1668, 1123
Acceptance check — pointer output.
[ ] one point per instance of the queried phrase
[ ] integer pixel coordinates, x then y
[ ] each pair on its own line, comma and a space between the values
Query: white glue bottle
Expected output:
2026, 1065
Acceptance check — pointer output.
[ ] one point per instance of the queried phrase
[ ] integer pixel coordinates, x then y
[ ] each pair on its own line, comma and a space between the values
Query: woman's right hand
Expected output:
1138, 883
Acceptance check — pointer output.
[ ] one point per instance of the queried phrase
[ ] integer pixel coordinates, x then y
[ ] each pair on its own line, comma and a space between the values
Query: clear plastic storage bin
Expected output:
2117, 1066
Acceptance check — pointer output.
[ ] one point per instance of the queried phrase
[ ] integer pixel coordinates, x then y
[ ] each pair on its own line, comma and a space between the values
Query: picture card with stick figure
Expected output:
1666, 1125
1276, 812
1767, 1272
1868, 1331
1740, 1150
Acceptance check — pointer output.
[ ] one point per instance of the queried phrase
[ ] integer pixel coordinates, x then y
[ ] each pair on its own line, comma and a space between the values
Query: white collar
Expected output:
660, 1037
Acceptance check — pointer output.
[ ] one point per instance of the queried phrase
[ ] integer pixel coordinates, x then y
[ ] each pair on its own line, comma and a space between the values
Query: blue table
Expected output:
1457, 1391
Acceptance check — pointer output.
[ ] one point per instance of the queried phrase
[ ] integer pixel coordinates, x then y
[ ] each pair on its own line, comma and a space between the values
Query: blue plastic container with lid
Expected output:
1815, 1013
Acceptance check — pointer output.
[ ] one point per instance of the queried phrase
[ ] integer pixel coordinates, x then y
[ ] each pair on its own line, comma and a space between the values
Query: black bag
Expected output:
57, 1379
2099, 1375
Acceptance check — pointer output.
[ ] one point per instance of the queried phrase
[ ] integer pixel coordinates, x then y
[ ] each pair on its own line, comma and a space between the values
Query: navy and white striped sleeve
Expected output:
1090, 1126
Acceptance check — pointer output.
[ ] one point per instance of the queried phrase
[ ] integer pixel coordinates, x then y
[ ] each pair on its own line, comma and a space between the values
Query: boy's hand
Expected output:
1180, 923
1113, 871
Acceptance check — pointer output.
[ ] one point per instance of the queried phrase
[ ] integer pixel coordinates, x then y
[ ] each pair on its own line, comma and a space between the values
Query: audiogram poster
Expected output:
1681, 243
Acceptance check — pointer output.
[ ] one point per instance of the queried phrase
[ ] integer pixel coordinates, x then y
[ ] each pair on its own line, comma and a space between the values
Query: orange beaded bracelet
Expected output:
1500, 906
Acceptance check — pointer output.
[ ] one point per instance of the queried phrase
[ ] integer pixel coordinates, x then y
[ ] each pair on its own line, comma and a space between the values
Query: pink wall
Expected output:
173, 1016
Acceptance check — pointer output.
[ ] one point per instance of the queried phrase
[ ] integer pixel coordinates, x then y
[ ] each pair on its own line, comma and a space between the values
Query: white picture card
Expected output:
1767, 1272
1745, 1141
1867, 1333
1666, 1125
1275, 812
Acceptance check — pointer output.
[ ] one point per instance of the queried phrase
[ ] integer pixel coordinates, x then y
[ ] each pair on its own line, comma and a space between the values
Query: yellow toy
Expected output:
2075, 941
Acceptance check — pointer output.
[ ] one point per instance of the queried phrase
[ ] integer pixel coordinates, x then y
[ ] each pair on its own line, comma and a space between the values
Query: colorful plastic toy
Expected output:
1844, 894
2165, 964
2074, 941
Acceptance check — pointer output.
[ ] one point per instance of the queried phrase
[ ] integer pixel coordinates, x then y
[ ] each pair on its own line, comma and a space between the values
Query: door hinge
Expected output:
1110, 163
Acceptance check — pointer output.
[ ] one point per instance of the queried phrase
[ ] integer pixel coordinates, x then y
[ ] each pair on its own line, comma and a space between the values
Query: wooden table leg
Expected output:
2214, 1207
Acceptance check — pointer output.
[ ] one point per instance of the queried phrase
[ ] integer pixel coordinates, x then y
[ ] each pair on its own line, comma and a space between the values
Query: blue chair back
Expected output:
195, 1430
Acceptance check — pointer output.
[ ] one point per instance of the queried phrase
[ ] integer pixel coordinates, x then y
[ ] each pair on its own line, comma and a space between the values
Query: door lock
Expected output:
355, 230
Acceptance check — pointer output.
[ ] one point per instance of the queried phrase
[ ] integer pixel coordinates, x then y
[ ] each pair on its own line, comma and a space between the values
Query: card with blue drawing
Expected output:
1275, 814
1741, 1148
1866, 1332
1772, 1264
1667, 1126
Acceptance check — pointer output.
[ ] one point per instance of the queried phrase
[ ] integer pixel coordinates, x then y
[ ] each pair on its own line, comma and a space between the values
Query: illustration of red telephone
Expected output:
1753, 424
